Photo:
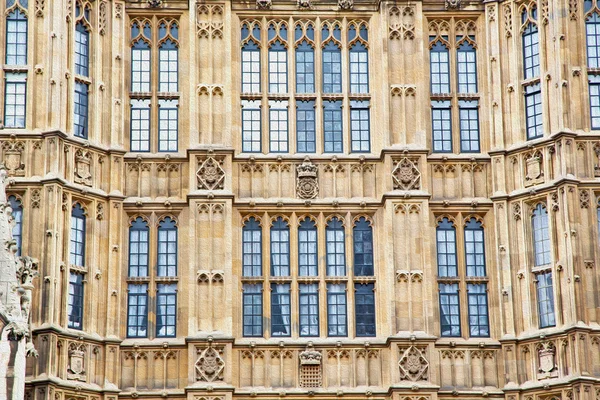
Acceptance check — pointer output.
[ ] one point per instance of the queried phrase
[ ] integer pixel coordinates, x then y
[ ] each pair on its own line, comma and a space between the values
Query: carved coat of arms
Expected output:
210, 365
533, 169
307, 183
13, 152
83, 168
76, 368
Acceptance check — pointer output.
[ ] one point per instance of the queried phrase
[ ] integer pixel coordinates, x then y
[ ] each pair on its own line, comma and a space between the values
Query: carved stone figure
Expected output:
154, 3
452, 4
210, 365
210, 174
304, 4
406, 175
307, 184
83, 167
413, 365
16, 284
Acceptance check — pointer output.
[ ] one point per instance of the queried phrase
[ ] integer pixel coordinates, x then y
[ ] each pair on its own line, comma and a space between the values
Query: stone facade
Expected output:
209, 188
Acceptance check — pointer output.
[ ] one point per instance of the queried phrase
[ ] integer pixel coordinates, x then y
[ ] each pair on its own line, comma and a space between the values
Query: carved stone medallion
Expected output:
406, 175
413, 365
210, 175
83, 174
264, 4
452, 4
307, 183
210, 365
345, 4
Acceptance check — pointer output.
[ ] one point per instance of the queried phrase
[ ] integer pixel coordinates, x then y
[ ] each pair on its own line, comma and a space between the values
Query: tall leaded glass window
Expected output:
168, 57
306, 141
15, 104
309, 309
337, 321
305, 59
364, 300
545, 298
167, 248
75, 301
479, 324
81, 109
446, 249
592, 31
307, 248
280, 248
469, 126
137, 310
360, 127
166, 310
533, 111
594, 83
252, 309
474, 249
335, 247
439, 65
332, 126
449, 309
363, 248
138, 248
251, 131
77, 236
278, 126
541, 236
17, 215
250, 57
251, 248
140, 125
332, 58
466, 64
82, 49
277, 58
359, 59
168, 115
280, 310
141, 36
16, 36
531, 49
441, 128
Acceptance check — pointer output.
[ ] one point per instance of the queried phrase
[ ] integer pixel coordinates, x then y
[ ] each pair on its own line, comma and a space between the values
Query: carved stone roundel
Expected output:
210, 175
210, 365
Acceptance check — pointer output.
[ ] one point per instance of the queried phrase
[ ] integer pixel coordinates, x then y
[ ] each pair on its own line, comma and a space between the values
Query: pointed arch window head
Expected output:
336, 248
141, 34
280, 248
251, 248
307, 248
138, 248
332, 58
16, 35
82, 49
168, 57
530, 38
250, 58
541, 236
167, 247
363, 248
592, 32
439, 65
77, 236
277, 36
359, 59
17, 215
466, 62
474, 248
446, 248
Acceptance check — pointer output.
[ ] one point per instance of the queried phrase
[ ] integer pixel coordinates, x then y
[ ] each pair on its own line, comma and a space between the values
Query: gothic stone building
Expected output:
311, 199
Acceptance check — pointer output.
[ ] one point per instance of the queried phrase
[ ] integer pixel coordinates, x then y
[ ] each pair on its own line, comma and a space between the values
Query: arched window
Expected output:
280, 248
251, 248
16, 34
138, 248
305, 60
168, 110
439, 66
530, 39
359, 59
141, 35
332, 58
592, 32
167, 248
277, 59
307, 248
82, 48
363, 248
466, 62
250, 58
541, 236
77, 248
17, 214
446, 249
474, 248
336, 249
